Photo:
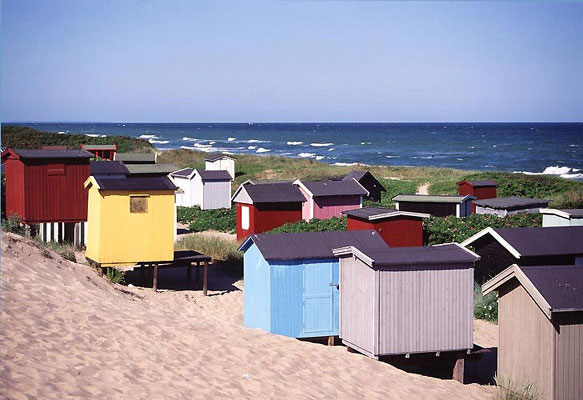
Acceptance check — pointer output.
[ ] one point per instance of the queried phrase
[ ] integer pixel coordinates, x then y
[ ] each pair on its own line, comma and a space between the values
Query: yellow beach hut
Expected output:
130, 220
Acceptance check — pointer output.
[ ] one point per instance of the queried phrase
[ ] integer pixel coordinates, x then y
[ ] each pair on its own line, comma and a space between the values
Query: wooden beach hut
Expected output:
501, 247
438, 206
566, 217
130, 221
108, 169
485, 189
369, 182
503, 206
262, 207
136, 158
291, 280
540, 320
327, 199
397, 228
45, 188
103, 151
220, 162
205, 189
401, 301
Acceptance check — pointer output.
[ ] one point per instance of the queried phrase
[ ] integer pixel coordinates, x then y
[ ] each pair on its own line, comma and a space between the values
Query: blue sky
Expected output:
187, 61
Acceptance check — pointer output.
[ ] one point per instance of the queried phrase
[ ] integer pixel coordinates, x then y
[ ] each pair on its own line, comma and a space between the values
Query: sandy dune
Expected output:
66, 332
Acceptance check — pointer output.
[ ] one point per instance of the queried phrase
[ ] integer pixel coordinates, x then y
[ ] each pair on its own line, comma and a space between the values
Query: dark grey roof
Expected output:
183, 172
354, 174
512, 203
530, 242
371, 213
449, 253
51, 153
146, 184
573, 212
284, 192
424, 198
218, 175
136, 157
98, 146
312, 245
218, 156
335, 188
107, 167
561, 286
162, 169
486, 183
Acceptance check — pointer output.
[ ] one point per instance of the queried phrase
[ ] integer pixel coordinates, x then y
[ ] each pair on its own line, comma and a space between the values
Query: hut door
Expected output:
319, 297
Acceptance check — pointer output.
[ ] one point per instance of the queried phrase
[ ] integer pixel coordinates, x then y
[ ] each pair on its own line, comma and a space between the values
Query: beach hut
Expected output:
397, 228
503, 206
149, 170
540, 320
262, 207
136, 158
103, 151
327, 199
205, 189
130, 220
369, 182
438, 206
45, 188
501, 247
291, 280
565, 217
220, 162
108, 169
485, 189
401, 301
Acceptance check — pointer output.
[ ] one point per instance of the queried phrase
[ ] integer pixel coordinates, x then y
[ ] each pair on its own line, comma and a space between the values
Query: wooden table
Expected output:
182, 258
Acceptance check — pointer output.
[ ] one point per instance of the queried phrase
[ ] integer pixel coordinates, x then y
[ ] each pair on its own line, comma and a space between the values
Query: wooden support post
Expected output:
188, 273
458, 369
155, 278
27, 231
205, 278
330, 340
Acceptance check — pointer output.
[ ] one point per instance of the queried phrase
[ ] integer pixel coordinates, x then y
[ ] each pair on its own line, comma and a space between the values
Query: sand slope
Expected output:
66, 332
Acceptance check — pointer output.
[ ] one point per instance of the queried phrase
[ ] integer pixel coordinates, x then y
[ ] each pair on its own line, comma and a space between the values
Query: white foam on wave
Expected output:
321, 144
262, 150
392, 156
294, 143
563, 172
92, 134
343, 164
148, 137
61, 133
257, 141
231, 139
307, 155
158, 141
319, 158
251, 147
189, 139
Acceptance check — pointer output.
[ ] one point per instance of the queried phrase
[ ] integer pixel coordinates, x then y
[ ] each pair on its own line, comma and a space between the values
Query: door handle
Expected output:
332, 285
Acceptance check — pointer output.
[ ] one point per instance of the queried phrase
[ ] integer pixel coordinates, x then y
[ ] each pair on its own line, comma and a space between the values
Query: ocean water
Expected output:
532, 147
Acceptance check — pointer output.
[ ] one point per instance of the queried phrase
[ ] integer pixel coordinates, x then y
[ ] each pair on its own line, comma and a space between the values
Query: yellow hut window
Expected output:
138, 204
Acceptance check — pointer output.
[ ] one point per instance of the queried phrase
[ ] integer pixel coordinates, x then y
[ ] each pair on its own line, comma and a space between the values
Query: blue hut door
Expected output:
320, 299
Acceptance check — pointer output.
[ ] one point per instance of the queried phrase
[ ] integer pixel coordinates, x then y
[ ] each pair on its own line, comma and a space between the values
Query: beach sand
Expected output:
67, 332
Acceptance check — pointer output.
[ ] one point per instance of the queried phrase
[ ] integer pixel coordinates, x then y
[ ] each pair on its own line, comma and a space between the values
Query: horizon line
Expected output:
289, 122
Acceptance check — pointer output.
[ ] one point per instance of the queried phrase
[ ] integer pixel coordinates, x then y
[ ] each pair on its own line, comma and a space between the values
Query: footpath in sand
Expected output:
66, 332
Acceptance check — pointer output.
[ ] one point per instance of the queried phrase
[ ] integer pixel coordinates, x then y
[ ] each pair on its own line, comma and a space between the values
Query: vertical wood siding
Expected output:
555, 220
256, 296
265, 217
307, 206
526, 339
332, 206
14, 173
396, 232
436, 209
479, 193
227, 165
216, 194
569, 357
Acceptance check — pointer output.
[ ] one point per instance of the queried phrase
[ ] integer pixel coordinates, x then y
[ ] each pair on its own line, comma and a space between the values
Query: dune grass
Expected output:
223, 252
509, 389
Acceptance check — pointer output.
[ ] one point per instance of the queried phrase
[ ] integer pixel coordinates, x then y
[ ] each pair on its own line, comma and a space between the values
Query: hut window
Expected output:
244, 217
56, 169
138, 204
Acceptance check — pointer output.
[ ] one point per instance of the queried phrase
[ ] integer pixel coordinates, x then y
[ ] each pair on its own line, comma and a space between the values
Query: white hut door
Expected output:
319, 294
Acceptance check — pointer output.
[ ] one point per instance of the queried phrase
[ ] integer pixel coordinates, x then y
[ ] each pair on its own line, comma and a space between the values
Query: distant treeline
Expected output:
23, 137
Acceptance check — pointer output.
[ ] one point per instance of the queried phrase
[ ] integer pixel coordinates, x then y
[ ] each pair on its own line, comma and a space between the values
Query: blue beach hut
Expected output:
291, 280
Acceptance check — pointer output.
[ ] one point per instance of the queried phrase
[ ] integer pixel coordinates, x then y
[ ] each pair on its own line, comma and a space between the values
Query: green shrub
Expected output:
65, 250
508, 389
222, 220
13, 224
451, 229
485, 307
114, 275
315, 225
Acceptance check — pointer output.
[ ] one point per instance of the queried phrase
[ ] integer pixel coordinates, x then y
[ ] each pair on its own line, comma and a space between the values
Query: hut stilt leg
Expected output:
458, 369
330, 340
155, 278
205, 278
27, 231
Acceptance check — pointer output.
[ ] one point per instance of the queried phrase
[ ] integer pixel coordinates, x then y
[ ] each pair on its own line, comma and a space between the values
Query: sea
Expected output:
535, 148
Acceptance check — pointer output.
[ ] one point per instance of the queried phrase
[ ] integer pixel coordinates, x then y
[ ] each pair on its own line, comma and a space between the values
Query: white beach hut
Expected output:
206, 189
218, 162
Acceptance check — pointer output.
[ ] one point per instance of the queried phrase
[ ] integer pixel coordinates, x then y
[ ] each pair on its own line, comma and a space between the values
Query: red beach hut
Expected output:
397, 228
479, 189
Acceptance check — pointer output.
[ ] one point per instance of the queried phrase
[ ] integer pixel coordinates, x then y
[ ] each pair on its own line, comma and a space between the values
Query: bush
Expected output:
315, 225
485, 307
114, 275
222, 220
509, 389
452, 229
222, 250
13, 224
65, 250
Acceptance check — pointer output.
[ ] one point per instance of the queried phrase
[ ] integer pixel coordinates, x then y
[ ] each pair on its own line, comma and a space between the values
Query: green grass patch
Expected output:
114, 275
221, 250
222, 219
315, 225
65, 250
485, 307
